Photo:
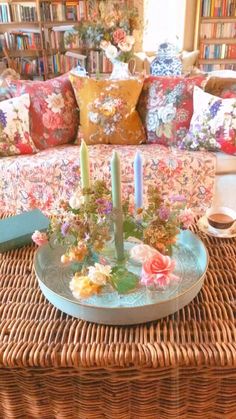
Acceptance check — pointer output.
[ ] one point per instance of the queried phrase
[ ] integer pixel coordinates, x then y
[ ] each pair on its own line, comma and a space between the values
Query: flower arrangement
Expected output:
83, 227
109, 28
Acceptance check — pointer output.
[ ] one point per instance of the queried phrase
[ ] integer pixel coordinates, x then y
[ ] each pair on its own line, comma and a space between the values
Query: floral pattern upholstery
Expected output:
107, 110
53, 174
14, 127
213, 124
53, 110
166, 107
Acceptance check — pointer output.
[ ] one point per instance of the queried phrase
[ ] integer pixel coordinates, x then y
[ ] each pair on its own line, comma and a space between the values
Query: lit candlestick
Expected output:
117, 205
138, 180
84, 167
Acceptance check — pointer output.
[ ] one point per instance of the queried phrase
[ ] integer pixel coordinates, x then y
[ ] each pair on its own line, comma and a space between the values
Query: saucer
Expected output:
205, 227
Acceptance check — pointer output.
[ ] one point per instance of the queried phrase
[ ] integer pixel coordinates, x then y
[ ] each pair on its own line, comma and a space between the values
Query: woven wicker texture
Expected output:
55, 366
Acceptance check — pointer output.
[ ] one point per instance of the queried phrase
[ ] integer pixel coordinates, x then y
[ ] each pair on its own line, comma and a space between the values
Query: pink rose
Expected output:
186, 218
51, 120
119, 36
142, 252
39, 238
158, 270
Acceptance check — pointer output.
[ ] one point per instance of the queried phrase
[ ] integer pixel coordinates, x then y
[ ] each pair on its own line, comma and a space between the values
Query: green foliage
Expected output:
123, 280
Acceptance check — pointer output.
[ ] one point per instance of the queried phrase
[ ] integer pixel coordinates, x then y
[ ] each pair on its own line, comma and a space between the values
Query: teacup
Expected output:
221, 218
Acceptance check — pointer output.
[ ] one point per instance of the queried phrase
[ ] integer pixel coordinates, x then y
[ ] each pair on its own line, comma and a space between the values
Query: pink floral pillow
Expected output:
166, 107
53, 111
14, 127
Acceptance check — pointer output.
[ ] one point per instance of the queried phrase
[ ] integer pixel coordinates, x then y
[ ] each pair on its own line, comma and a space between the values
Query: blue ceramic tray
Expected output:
138, 306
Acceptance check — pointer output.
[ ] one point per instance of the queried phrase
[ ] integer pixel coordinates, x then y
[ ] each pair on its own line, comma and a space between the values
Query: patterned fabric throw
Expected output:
107, 110
56, 174
53, 110
166, 107
213, 125
14, 127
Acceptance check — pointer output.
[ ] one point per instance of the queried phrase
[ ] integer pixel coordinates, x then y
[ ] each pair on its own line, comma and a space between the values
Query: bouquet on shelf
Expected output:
110, 28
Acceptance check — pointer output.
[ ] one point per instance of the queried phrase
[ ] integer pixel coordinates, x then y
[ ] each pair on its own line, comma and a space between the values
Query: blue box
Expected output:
17, 231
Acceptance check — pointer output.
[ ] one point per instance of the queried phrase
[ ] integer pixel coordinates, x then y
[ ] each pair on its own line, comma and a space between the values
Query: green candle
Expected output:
84, 166
117, 205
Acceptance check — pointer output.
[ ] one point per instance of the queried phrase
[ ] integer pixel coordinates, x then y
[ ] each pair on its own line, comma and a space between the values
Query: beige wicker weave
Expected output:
55, 366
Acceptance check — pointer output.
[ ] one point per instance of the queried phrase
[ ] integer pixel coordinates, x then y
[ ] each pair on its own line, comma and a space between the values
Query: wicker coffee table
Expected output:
55, 366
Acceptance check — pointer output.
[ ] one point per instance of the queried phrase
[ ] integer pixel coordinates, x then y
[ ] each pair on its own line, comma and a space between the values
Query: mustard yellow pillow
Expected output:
107, 110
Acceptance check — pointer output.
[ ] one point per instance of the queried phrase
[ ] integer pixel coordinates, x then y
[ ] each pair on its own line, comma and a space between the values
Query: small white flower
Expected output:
99, 274
212, 141
55, 102
75, 201
94, 117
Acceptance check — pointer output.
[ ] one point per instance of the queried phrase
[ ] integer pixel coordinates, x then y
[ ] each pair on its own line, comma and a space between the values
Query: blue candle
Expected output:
138, 180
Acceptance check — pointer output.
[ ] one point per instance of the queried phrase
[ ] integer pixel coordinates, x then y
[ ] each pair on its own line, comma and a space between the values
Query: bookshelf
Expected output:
215, 34
33, 37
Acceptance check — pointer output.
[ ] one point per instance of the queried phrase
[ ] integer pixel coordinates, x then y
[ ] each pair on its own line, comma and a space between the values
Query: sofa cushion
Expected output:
166, 107
53, 174
213, 125
217, 86
14, 127
107, 110
53, 110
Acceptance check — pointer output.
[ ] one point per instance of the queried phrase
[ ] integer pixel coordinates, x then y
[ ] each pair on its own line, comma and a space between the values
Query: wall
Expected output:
190, 17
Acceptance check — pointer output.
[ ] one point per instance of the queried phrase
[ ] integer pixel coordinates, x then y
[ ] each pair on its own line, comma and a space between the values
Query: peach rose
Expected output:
142, 252
158, 270
119, 36
39, 238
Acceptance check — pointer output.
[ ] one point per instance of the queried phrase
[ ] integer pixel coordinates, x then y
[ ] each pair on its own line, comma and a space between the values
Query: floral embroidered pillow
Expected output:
14, 127
213, 124
107, 110
53, 111
166, 107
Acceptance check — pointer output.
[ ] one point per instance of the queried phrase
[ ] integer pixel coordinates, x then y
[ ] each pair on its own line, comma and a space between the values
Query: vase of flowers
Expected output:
111, 28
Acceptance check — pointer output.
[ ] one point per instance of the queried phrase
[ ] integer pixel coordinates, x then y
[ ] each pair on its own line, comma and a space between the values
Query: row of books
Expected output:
30, 67
59, 39
99, 63
20, 41
18, 12
217, 51
61, 63
216, 8
218, 30
73, 10
216, 67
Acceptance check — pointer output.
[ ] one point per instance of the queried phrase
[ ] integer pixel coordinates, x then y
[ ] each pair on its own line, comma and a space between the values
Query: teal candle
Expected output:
138, 180
117, 205
84, 166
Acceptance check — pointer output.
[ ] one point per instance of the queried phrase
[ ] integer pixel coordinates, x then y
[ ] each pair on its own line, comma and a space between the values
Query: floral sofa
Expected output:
42, 179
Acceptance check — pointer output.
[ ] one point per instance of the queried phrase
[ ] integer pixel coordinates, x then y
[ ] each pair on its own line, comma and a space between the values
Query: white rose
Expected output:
111, 52
167, 113
99, 273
